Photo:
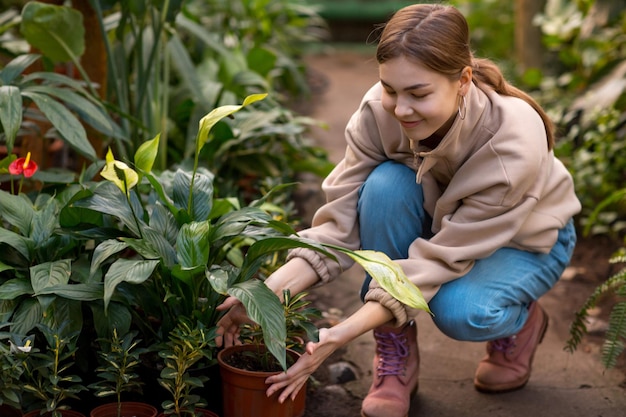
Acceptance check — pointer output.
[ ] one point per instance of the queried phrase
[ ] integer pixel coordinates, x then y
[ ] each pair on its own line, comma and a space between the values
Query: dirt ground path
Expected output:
339, 78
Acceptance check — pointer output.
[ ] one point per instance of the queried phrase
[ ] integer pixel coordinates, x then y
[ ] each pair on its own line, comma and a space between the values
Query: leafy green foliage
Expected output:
41, 280
616, 333
56, 30
299, 327
586, 99
596, 158
47, 381
188, 344
11, 370
119, 357
60, 99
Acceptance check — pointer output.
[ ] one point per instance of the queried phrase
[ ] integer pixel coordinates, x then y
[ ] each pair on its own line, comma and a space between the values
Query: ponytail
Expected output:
486, 73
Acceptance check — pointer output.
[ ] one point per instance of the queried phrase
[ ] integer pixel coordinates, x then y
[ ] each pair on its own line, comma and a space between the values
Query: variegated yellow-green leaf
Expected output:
217, 114
390, 277
146, 154
119, 173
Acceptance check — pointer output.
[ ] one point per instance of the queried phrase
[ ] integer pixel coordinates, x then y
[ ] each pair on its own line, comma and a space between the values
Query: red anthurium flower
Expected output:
23, 166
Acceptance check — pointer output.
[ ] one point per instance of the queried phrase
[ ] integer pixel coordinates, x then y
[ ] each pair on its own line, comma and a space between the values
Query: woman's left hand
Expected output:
293, 380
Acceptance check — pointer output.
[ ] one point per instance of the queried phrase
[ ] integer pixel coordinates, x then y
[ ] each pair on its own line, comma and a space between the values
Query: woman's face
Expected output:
425, 102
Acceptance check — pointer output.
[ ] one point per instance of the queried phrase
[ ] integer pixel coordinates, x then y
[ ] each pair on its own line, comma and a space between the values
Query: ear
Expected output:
465, 80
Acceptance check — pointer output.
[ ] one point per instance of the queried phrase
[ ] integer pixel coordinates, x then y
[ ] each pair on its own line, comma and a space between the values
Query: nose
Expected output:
402, 108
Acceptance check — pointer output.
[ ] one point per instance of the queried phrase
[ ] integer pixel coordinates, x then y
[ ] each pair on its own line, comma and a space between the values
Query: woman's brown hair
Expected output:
437, 36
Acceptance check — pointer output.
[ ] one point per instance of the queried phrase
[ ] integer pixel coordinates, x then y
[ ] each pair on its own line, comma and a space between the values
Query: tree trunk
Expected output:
529, 50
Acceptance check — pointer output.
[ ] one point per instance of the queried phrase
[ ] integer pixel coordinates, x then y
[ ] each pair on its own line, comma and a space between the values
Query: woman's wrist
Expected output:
370, 316
297, 275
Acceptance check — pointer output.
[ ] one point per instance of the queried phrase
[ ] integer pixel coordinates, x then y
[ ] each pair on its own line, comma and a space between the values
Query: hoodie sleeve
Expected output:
336, 221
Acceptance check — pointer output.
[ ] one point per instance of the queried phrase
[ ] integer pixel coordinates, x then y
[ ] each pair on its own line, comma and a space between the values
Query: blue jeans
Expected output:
489, 302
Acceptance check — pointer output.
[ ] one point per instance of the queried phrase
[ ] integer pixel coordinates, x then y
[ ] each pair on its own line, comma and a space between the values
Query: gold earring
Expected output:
463, 113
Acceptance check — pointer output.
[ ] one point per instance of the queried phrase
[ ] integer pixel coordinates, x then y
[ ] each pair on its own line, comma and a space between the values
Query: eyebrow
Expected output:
410, 87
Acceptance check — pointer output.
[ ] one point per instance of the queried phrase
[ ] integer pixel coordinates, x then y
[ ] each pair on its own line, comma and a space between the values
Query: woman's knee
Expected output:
391, 191
389, 179
460, 322
477, 322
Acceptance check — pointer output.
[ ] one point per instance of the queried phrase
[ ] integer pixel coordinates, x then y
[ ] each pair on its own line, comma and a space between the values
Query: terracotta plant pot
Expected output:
64, 413
243, 391
129, 409
201, 412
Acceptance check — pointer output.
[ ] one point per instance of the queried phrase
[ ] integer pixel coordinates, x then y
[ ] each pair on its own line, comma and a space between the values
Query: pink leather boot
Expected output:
509, 360
396, 369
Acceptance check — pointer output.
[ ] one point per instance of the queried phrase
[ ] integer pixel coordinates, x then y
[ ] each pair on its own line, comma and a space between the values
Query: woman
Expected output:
449, 170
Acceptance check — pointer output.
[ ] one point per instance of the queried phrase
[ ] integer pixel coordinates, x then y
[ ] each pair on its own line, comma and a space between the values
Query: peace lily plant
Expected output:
188, 250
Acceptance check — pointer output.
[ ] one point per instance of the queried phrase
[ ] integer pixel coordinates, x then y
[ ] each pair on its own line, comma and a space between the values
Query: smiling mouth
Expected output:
408, 125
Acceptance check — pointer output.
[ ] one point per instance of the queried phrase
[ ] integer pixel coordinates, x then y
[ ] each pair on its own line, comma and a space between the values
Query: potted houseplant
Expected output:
187, 345
260, 303
244, 368
11, 370
119, 359
47, 382
43, 274
188, 250
162, 232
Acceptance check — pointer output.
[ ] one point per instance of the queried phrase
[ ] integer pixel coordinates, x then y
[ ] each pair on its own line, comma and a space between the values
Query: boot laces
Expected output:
505, 344
393, 351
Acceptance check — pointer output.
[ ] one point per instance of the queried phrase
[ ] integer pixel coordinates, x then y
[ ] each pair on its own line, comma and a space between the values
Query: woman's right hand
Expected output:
289, 383
229, 325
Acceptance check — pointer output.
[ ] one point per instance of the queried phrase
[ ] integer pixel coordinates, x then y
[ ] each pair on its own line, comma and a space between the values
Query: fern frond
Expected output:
615, 335
578, 328
618, 257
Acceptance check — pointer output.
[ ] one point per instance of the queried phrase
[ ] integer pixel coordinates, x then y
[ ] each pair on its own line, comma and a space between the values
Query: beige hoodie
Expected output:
490, 183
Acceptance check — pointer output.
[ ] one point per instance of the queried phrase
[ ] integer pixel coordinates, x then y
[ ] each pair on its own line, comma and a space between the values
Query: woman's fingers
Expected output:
290, 382
228, 303
228, 326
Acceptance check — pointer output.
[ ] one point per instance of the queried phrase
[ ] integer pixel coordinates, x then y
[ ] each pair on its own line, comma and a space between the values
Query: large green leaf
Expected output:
21, 244
79, 292
217, 114
108, 199
44, 223
59, 80
164, 223
264, 308
202, 192
193, 245
390, 277
126, 270
153, 246
177, 211
65, 122
27, 315
15, 288
146, 154
50, 273
57, 31
18, 211
218, 278
15, 67
236, 222
104, 251
92, 113
258, 250
10, 113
